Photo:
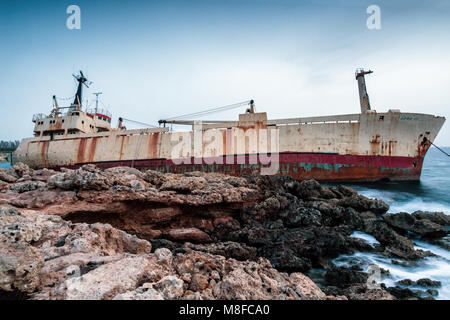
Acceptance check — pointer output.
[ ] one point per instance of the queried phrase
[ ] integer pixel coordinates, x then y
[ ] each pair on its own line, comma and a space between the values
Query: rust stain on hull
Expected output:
153, 146
92, 149
122, 138
44, 149
375, 145
81, 150
392, 145
55, 126
423, 147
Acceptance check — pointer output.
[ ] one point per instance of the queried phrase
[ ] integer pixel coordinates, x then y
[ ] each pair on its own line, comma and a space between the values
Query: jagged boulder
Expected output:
6, 176
362, 203
22, 169
435, 217
343, 277
408, 222
394, 243
310, 189
27, 186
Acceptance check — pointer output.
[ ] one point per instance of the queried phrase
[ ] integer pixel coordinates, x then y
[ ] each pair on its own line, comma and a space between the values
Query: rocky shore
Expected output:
124, 234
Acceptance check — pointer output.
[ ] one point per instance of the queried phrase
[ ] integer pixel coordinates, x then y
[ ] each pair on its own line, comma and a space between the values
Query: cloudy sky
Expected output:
157, 59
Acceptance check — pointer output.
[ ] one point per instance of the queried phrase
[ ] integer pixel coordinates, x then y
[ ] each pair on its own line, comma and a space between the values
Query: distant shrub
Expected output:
9, 145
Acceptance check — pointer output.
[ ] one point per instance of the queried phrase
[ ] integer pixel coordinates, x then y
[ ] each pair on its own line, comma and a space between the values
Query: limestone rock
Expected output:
6, 176
107, 281
188, 234
203, 226
22, 169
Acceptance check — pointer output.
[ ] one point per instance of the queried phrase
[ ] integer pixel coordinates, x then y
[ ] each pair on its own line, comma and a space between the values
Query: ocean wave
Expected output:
435, 268
418, 204
366, 237
404, 201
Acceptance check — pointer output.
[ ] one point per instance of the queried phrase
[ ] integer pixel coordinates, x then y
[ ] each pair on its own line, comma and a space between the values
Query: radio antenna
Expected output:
96, 100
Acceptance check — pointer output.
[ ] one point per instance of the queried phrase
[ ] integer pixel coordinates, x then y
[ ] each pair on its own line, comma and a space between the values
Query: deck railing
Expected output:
100, 111
38, 116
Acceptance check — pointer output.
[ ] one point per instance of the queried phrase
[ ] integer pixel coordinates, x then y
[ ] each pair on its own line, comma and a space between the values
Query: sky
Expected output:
158, 59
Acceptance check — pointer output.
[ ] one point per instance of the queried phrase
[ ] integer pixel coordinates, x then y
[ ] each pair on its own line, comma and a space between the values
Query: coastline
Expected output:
275, 225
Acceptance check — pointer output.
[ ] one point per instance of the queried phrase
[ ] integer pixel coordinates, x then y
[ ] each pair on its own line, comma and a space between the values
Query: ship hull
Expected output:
300, 166
359, 147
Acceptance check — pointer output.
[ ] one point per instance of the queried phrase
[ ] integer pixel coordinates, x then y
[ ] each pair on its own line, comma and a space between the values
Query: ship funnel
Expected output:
363, 96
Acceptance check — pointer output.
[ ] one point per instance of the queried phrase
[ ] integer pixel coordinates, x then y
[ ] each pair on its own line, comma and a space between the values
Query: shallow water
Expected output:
430, 194
435, 268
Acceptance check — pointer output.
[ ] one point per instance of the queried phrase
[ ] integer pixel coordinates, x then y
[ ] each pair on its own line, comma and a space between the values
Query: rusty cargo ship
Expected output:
365, 146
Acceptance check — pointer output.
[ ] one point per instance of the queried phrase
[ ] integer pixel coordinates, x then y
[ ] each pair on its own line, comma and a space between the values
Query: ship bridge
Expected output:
75, 120
71, 122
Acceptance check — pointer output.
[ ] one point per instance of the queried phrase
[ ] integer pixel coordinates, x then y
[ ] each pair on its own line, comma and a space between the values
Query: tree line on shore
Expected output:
9, 145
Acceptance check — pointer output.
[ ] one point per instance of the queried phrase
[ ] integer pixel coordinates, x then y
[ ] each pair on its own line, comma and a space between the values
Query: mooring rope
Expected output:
448, 155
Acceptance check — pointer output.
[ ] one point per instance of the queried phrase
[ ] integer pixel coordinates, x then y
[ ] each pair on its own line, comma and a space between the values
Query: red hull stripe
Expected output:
387, 162
319, 166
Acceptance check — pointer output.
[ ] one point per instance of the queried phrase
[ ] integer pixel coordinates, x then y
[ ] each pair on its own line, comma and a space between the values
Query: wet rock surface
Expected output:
90, 223
420, 223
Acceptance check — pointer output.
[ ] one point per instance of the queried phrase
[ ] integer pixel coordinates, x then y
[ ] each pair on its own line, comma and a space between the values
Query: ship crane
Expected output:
177, 119
122, 127
55, 111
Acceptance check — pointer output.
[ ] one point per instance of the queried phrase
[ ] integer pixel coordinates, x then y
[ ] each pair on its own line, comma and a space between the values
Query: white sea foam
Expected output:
434, 268
429, 195
386, 196
438, 250
418, 204
366, 237
405, 202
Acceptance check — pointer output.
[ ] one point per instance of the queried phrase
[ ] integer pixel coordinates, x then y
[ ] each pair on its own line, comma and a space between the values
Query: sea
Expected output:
5, 165
431, 193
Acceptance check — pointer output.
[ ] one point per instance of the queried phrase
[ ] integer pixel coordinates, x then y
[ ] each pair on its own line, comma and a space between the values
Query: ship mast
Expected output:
76, 105
96, 100
363, 96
